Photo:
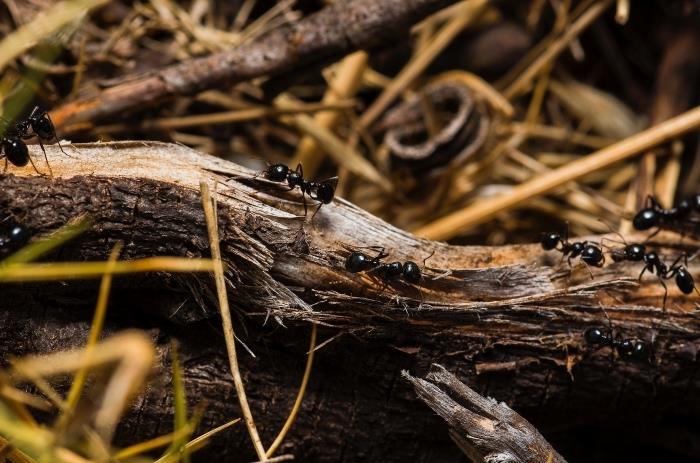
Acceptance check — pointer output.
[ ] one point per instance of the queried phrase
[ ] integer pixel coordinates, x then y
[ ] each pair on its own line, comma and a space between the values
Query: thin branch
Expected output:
486, 430
333, 32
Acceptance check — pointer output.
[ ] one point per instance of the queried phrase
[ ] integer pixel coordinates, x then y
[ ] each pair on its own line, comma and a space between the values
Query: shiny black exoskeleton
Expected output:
38, 124
653, 215
409, 271
589, 253
550, 241
276, 172
14, 150
684, 280
13, 237
358, 262
632, 349
631, 252
323, 191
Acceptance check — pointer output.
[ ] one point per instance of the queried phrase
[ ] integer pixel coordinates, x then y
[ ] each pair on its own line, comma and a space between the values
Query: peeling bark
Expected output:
502, 318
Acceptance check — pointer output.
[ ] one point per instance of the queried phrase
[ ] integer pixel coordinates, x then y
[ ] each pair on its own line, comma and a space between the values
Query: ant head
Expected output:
42, 126
394, 269
640, 351
652, 258
549, 241
646, 219
276, 172
411, 272
635, 252
325, 192
19, 235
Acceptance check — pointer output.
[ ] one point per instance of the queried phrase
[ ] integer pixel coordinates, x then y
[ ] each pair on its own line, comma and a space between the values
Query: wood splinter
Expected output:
485, 429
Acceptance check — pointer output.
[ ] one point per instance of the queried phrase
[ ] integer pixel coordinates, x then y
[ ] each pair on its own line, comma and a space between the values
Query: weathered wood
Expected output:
485, 429
502, 318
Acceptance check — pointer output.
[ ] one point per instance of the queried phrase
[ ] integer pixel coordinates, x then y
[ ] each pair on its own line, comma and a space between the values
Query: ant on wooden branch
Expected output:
12, 146
636, 252
408, 272
322, 191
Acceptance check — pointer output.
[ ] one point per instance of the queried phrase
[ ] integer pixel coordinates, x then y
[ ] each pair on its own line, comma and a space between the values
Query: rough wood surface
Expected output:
488, 431
502, 318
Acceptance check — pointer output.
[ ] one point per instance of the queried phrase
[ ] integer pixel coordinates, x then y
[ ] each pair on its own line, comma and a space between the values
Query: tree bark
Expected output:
504, 319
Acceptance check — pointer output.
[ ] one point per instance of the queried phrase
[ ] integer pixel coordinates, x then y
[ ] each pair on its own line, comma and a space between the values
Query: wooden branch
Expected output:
486, 430
504, 318
332, 33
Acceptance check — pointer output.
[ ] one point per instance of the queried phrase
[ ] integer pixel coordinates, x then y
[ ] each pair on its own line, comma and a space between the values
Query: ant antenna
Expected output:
612, 230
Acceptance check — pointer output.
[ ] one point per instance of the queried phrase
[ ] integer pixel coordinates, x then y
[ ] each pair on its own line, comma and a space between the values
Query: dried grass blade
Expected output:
456, 222
212, 228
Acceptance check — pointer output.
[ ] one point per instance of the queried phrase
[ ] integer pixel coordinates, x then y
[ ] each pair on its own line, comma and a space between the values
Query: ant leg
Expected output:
656, 232
380, 255
642, 274
678, 259
588, 267
41, 145
426, 259
53, 130
650, 201
316, 211
37, 170
303, 200
665, 294
58, 142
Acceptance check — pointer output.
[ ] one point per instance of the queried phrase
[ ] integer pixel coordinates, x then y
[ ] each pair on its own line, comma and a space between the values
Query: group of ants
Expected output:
651, 216
38, 124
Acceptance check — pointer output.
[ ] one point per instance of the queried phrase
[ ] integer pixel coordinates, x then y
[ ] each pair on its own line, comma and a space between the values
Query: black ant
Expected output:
14, 239
39, 124
653, 215
323, 191
13, 147
589, 253
636, 252
409, 271
358, 262
631, 349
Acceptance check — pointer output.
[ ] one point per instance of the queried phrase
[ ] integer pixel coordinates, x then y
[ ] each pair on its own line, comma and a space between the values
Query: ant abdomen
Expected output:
276, 172
596, 337
358, 262
684, 280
